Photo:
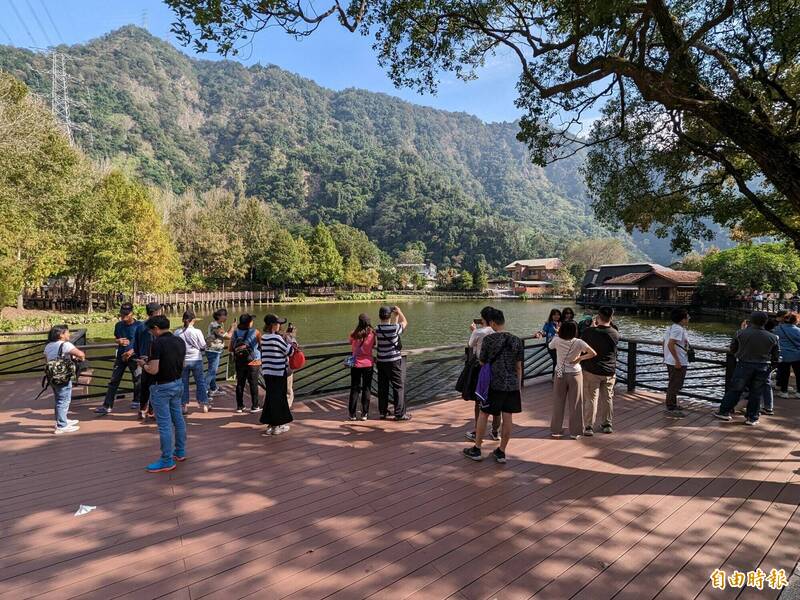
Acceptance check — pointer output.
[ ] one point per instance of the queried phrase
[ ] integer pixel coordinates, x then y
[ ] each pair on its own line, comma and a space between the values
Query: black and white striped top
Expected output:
388, 336
274, 354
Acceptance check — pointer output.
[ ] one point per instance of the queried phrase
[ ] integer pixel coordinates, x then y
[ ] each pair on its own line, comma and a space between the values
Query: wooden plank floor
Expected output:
388, 510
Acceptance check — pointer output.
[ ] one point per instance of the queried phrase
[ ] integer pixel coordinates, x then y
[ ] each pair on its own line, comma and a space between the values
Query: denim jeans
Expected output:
213, 364
116, 378
166, 401
752, 375
63, 396
196, 369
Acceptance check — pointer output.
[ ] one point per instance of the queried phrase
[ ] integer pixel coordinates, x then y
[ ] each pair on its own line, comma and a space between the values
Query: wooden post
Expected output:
522, 383
631, 366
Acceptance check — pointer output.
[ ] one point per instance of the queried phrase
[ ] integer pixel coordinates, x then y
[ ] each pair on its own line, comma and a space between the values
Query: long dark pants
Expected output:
676, 379
360, 386
392, 374
754, 376
554, 360
782, 378
247, 375
116, 378
144, 391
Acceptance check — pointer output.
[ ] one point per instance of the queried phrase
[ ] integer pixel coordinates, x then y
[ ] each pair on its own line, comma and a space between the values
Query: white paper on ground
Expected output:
84, 509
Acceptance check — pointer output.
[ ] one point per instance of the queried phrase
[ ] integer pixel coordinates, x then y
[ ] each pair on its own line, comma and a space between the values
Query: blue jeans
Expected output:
195, 368
213, 364
767, 398
752, 375
166, 401
63, 396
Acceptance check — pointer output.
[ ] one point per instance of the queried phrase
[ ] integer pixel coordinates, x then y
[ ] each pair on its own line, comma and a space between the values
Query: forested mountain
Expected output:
400, 172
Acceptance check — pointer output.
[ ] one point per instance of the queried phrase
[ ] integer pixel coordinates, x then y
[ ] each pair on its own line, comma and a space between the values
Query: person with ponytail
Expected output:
193, 363
362, 343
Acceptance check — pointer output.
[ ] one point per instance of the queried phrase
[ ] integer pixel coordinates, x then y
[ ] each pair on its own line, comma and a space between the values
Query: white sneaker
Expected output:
783, 395
67, 429
280, 429
269, 431
284, 428
72, 422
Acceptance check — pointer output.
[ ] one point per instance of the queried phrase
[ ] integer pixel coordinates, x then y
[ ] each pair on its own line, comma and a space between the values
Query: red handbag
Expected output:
297, 360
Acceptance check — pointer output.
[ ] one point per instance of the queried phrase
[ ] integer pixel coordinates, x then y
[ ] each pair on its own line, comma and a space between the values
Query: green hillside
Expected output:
398, 171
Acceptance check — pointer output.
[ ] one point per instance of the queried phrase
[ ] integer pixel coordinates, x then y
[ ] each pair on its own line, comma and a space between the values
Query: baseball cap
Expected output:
153, 307
125, 309
273, 319
384, 312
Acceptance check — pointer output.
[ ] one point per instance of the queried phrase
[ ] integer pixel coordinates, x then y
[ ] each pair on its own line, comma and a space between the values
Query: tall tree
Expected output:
701, 115
143, 257
325, 258
40, 176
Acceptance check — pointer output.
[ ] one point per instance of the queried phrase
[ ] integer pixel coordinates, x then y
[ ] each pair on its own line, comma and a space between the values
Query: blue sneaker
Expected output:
179, 456
161, 465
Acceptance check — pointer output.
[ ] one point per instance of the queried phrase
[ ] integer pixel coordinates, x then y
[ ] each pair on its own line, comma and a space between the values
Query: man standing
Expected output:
125, 332
165, 365
676, 357
756, 350
391, 364
144, 340
599, 372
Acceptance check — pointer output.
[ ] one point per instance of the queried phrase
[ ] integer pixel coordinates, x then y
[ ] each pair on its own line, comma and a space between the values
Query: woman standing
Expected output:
479, 329
275, 353
215, 345
246, 351
568, 389
549, 331
193, 363
362, 342
58, 346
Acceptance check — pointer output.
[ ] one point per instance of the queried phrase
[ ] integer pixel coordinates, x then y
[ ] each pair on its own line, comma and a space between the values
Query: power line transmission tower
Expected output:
59, 100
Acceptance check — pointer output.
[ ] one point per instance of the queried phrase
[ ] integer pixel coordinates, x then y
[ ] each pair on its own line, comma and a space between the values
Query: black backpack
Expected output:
242, 351
59, 371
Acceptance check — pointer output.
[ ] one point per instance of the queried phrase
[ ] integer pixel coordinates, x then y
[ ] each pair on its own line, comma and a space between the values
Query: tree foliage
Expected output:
773, 267
399, 173
327, 264
701, 100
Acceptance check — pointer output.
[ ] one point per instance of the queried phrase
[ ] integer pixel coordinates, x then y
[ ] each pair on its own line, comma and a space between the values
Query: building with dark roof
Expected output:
639, 284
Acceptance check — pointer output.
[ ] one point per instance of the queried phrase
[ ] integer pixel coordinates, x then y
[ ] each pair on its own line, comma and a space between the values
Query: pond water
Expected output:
436, 322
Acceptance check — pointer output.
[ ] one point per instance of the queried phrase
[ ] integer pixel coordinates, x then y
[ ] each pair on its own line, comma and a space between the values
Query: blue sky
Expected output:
333, 57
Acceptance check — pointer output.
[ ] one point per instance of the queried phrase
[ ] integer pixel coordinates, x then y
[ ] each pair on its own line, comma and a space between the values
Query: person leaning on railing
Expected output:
756, 349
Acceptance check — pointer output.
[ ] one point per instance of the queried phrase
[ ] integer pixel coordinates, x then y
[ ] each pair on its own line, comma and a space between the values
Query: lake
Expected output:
436, 322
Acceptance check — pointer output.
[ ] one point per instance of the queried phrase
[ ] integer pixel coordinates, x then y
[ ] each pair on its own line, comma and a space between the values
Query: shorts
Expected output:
508, 401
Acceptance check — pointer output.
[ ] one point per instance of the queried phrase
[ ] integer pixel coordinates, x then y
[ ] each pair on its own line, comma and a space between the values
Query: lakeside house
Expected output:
638, 284
535, 276
427, 270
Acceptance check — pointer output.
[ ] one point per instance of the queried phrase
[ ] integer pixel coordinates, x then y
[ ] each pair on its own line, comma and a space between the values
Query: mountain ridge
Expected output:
401, 172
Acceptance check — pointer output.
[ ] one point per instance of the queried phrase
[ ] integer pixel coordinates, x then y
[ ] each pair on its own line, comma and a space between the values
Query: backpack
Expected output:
242, 350
59, 371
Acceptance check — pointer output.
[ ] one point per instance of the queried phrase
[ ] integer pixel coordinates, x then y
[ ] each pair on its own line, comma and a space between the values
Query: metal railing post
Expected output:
631, 366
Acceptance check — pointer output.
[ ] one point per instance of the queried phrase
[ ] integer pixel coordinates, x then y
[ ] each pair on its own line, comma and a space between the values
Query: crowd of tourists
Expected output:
162, 361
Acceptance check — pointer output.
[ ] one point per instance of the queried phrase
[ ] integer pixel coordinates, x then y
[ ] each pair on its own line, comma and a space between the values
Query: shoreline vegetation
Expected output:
29, 320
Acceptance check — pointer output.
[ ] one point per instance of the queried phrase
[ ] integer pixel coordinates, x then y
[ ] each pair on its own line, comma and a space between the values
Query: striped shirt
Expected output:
274, 355
388, 335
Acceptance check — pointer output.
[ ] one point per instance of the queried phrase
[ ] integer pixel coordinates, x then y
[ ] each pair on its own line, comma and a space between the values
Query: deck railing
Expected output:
430, 373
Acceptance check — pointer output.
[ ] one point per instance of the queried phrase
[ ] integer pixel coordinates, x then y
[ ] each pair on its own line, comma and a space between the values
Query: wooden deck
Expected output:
392, 510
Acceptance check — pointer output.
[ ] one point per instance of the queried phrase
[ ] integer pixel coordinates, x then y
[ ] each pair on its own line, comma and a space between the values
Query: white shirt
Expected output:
678, 333
567, 351
195, 343
51, 350
476, 338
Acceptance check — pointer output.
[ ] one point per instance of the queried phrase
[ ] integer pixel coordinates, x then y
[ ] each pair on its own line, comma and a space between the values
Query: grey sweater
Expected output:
755, 344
